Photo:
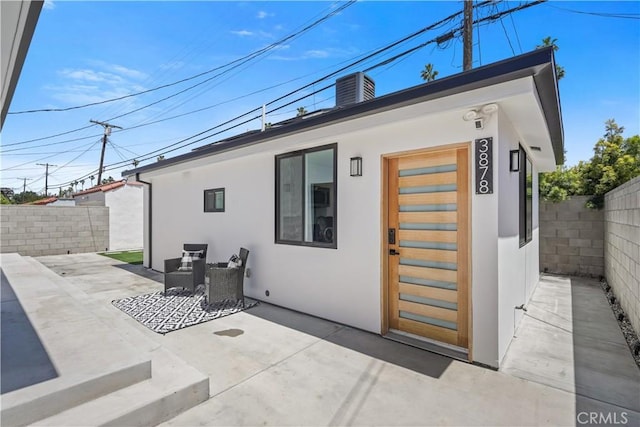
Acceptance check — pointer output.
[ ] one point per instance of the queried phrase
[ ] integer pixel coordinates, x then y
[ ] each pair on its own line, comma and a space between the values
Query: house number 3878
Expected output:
484, 165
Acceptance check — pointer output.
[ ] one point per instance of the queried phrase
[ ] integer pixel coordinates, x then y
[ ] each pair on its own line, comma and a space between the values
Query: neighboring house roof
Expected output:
43, 202
538, 64
105, 187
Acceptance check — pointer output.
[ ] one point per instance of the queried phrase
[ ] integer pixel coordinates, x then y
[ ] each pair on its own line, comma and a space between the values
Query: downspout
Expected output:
148, 184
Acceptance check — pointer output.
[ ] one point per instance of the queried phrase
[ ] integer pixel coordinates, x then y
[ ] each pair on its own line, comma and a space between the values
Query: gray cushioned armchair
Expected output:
227, 283
173, 277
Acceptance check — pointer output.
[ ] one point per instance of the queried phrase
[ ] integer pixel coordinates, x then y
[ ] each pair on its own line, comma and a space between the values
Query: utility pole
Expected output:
107, 132
24, 185
46, 177
467, 35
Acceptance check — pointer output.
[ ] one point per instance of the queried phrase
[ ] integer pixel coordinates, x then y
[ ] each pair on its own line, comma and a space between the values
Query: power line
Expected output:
46, 177
107, 131
435, 40
241, 60
177, 146
375, 53
24, 186
445, 36
515, 30
631, 15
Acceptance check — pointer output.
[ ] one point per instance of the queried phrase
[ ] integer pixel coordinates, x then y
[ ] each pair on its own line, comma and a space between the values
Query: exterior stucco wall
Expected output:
126, 217
53, 230
518, 271
344, 284
622, 247
341, 284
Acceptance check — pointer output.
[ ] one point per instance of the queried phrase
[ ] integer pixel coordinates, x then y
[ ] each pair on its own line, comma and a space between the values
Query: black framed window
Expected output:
214, 200
525, 198
306, 188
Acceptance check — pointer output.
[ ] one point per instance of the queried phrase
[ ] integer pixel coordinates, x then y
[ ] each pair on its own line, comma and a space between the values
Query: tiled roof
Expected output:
105, 187
43, 202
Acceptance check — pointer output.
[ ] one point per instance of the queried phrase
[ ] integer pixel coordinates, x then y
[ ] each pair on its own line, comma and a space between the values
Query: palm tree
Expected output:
75, 184
92, 178
301, 111
428, 74
82, 183
549, 42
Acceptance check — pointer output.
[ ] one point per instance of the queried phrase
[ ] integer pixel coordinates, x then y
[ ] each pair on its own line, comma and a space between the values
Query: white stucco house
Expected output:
413, 215
125, 202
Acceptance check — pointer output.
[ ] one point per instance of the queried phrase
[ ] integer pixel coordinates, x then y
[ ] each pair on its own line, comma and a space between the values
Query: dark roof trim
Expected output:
539, 64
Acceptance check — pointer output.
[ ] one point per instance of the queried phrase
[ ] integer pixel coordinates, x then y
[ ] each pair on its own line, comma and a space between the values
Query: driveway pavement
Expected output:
273, 366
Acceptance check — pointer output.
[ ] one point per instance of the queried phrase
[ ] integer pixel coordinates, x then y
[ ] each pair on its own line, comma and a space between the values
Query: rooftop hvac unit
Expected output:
356, 87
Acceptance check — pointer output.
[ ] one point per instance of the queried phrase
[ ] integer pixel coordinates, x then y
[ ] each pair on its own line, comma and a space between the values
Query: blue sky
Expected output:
86, 51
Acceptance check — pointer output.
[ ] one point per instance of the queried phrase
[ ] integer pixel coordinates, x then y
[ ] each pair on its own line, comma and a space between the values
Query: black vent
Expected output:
354, 88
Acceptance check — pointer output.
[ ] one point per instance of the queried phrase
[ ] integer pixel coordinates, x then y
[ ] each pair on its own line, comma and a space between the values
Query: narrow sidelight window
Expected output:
525, 198
306, 197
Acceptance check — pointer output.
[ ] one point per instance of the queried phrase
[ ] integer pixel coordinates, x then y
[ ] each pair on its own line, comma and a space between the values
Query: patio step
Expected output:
173, 388
86, 358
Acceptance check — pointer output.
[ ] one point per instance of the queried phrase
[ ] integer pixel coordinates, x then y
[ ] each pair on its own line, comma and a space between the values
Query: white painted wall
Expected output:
484, 257
126, 209
343, 284
518, 268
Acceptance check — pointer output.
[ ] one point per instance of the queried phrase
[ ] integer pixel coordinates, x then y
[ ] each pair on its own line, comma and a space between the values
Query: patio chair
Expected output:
225, 282
188, 277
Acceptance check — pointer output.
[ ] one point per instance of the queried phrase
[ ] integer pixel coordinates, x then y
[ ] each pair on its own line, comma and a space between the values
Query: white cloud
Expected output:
316, 53
99, 82
49, 4
242, 33
262, 14
92, 76
128, 72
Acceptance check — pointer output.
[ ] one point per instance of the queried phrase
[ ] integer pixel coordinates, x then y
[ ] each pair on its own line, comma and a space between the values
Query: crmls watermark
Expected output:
609, 418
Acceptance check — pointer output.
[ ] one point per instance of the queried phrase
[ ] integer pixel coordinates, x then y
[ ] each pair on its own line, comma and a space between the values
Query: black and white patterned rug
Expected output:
177, 309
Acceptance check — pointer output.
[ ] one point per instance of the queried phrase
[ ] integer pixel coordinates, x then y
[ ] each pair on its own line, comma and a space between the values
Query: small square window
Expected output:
214, 200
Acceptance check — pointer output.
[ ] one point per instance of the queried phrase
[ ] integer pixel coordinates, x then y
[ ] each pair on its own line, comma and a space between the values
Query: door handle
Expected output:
393, 252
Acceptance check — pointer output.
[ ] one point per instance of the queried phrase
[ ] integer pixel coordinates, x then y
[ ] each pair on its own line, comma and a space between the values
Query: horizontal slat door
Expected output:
427, 273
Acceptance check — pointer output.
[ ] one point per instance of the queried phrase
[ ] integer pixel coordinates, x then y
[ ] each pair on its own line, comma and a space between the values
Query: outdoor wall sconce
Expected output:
356, 166
514, 160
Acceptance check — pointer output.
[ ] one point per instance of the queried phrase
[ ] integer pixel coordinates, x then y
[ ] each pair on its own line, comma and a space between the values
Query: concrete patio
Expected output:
272, 366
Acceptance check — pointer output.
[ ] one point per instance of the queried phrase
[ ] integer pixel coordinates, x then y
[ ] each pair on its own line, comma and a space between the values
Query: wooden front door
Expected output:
428, 245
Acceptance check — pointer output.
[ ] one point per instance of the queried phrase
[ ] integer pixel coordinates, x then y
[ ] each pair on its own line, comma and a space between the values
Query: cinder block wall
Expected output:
622, 247
53, 230
571, 238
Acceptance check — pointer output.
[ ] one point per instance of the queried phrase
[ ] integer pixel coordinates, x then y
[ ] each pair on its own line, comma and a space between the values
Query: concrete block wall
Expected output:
622, 247
571, 238
53, 230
